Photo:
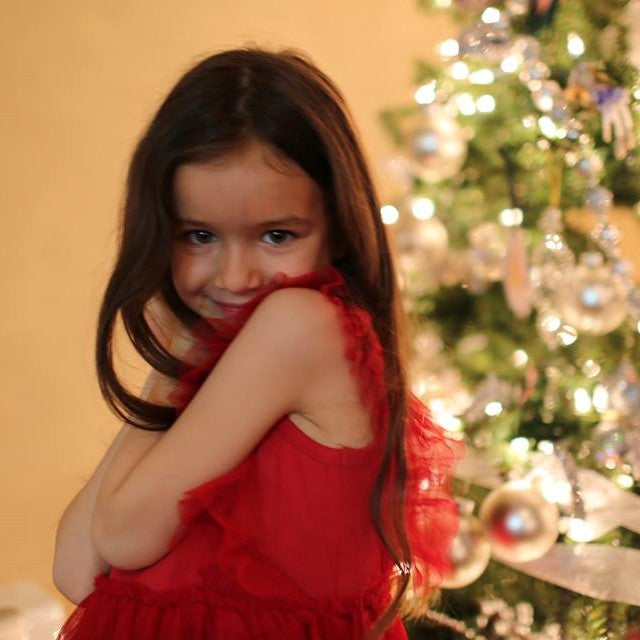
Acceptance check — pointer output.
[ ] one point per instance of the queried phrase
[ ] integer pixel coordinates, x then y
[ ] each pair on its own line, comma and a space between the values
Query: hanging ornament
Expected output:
609, 444
550, 260
436, 145
624, 390
488, 251
549, 98
588, 85
470, 553
521, 524
421, 246
517, 280
591, 297
490, 397
484, 41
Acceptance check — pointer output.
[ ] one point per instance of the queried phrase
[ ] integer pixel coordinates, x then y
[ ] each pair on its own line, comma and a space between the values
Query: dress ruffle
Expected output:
431, 512
124, 610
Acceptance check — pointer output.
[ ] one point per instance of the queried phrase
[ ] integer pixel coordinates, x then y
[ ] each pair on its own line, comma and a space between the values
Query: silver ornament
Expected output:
488, 250
521, 524
436, 145
589, 165
599, 199
624, 390
591, 297
421, 246
609, 444
550, 260
550, 99
486, 41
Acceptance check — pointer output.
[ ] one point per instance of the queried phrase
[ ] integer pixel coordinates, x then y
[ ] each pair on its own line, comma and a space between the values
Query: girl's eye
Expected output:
279, 236
198, 237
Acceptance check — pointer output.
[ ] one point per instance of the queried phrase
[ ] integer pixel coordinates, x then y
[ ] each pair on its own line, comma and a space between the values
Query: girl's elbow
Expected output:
121, 547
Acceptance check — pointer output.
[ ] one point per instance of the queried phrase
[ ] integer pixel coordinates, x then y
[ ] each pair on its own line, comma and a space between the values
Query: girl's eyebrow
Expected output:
289, 221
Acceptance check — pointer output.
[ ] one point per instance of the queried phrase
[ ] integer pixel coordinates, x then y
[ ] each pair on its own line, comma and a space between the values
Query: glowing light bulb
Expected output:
575, 45
511, 63
520, 357
600, 398
459, 70
389, 214
493, 408
486, 103
625, 480
520, 445
425, 94
423, 208
581, 400
482, 76
490, 15
466, 104
546, 447
511, 217
449, 48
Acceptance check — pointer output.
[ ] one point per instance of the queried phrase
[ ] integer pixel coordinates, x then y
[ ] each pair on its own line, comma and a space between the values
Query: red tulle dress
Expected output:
284, 546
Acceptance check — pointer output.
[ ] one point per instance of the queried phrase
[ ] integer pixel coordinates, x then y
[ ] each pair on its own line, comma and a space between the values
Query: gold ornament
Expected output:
521, 524
469, 555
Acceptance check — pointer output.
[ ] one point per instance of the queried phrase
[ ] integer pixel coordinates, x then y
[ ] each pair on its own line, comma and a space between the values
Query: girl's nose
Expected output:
236, 271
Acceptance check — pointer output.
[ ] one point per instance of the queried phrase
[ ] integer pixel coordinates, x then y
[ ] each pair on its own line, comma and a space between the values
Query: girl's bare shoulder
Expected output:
329, 407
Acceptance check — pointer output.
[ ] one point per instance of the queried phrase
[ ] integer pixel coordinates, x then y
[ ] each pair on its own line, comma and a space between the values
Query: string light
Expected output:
482, 76
485, 103
449, 48
575, 45
490, 15
581, 401
423, 208
466, 104
425, 94
459, 70
493, 408
389, 214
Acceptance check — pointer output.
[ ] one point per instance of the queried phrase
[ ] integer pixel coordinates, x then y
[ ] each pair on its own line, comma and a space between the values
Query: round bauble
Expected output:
470, 553
521, 524
436, 145
488, 250
591, 297
421, 247
609, 444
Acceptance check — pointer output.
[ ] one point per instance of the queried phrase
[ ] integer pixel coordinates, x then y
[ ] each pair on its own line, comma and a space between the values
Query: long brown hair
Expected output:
284, 100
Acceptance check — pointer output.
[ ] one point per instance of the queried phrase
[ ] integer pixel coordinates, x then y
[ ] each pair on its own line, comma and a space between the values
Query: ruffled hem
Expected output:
124, 610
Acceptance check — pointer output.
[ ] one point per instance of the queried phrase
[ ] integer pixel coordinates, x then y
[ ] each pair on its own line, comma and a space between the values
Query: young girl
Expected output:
293, 485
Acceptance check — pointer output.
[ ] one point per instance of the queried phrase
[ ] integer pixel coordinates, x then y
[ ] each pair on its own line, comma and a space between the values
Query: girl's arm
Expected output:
262, 376
76, 559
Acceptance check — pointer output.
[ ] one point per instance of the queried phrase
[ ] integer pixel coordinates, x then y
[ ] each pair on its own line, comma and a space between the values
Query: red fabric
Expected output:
283, 546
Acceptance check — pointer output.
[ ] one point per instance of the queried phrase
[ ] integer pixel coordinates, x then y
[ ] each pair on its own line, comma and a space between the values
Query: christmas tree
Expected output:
519, 157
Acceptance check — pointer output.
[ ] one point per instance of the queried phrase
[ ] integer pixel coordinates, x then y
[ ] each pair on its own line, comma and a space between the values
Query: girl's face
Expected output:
242, 219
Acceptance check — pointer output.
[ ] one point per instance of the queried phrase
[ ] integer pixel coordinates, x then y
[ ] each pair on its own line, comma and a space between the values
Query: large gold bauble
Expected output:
469, 555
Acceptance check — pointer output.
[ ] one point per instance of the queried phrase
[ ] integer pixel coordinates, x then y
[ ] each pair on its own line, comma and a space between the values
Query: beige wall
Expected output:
78, 82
